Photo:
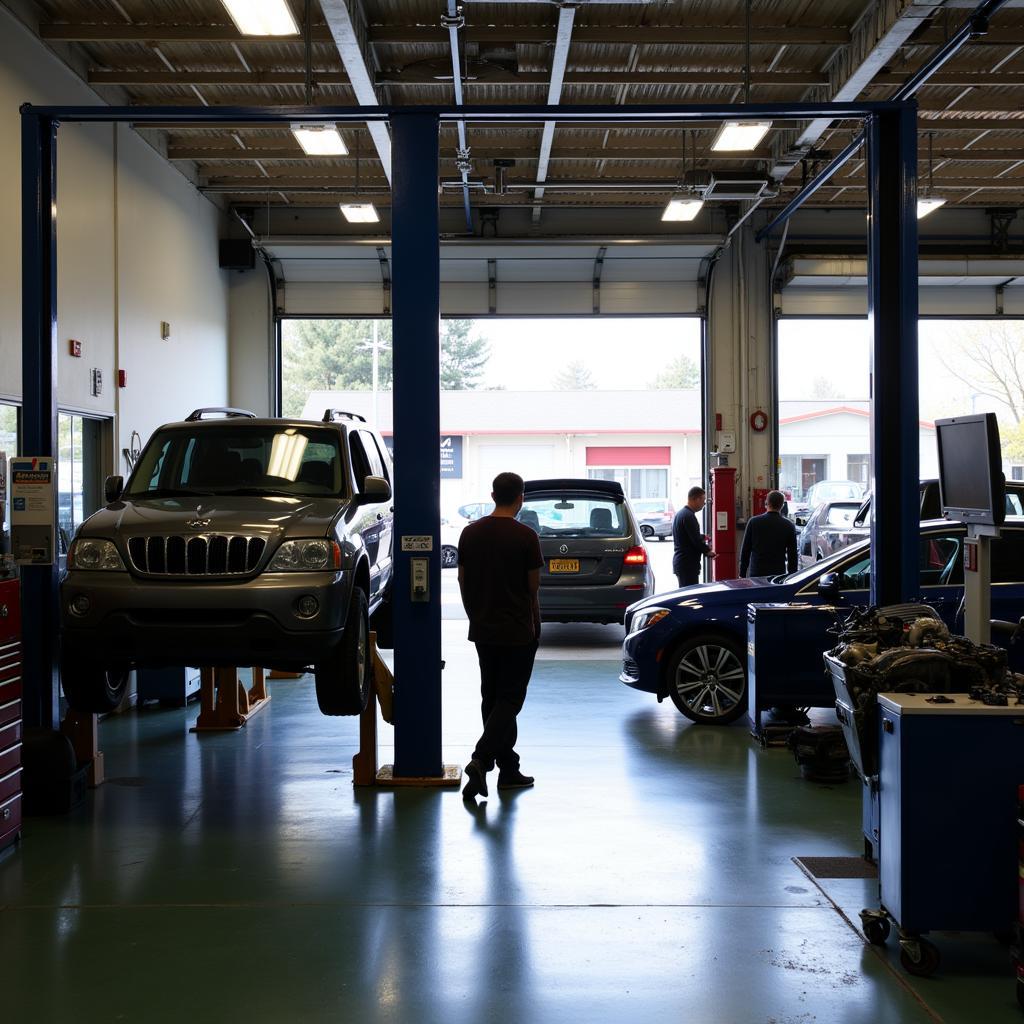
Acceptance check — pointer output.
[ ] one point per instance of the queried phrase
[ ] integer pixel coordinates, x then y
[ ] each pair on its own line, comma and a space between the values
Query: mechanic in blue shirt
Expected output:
689, 543
769, 541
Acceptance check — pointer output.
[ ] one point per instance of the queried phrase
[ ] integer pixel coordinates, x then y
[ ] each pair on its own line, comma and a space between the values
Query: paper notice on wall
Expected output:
32, 510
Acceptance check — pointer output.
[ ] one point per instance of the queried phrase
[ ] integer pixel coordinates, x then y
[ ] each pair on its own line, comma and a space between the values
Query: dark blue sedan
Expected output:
690, 644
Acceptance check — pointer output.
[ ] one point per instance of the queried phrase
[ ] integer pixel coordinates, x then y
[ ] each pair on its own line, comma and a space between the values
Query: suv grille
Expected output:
207, 555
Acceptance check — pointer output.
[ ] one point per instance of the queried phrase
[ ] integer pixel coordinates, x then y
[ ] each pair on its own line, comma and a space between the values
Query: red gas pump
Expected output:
723, 529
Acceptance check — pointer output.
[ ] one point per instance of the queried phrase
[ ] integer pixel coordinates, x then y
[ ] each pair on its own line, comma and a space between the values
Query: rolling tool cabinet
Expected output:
10, 712
948, 778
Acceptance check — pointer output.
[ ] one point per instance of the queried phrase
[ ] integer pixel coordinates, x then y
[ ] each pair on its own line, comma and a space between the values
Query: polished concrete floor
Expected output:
648, 877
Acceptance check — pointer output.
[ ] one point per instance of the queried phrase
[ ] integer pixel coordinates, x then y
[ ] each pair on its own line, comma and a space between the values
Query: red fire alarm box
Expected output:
75, 348
122, 378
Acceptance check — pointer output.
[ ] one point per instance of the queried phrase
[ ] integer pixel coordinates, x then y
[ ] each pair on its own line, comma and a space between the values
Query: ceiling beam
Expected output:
356, 61
876, 40
559, 61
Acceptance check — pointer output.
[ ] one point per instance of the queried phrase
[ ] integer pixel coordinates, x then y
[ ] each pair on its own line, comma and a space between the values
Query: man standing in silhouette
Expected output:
499, 576
690, 545
769, 541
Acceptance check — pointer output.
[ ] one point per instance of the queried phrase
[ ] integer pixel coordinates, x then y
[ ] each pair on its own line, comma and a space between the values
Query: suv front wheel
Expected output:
344, 677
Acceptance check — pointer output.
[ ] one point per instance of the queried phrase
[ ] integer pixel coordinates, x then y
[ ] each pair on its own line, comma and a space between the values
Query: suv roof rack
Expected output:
226, 411
330, 415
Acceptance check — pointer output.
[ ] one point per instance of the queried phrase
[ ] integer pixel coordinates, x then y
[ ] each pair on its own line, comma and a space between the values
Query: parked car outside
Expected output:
475, 510
690, 644
824, 490
931, 502
595, 560
236, 541
655, 516
452, 526
829, 529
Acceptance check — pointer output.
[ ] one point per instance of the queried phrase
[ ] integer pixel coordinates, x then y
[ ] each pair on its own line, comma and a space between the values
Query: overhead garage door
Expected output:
825, 287
521, 279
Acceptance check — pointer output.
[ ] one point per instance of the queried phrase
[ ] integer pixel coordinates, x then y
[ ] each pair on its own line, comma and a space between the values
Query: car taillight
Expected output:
635, 556
667, 514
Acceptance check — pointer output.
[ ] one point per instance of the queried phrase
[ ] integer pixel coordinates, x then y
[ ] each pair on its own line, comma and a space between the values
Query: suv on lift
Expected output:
236, 541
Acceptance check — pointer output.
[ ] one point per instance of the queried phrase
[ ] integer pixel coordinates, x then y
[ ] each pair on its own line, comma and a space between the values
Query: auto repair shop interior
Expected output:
286, 283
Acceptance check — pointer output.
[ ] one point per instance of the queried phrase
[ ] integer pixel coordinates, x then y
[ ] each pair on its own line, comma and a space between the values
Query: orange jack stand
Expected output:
364, 765
83, 731
233, 705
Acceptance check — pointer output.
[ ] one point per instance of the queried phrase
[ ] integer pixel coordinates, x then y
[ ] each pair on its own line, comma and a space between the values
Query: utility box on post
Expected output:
723, 528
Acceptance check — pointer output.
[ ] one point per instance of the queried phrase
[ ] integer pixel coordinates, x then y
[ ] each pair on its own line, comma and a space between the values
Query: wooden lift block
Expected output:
225, 704
365, 771
83, 731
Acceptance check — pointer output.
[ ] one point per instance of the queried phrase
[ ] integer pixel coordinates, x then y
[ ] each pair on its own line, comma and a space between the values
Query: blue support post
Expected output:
416, 262
892, 315
40, 632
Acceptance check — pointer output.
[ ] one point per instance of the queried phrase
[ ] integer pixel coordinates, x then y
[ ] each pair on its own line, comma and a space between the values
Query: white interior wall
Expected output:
136, 245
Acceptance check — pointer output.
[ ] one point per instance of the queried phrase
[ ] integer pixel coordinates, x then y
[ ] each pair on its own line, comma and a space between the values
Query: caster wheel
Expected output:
927, 962
876, 931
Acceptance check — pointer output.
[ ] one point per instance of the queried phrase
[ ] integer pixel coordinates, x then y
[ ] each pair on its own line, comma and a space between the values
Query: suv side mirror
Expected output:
112, 488
375, 488
828, 587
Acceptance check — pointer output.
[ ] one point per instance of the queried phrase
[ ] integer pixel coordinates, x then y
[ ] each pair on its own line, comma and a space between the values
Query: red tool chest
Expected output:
10, 712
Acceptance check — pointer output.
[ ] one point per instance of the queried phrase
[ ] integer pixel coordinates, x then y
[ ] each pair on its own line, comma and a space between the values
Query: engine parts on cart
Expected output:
905, 649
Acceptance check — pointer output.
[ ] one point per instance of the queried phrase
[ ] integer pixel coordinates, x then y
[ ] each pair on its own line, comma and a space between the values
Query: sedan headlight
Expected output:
306, 556
94, 554
647, 618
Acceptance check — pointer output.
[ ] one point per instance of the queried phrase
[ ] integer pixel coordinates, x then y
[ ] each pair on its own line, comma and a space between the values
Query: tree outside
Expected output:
337, 355
987, 357
681, 374
574, 376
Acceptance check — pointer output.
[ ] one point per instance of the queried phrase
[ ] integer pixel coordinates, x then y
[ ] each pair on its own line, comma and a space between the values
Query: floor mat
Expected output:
838, 867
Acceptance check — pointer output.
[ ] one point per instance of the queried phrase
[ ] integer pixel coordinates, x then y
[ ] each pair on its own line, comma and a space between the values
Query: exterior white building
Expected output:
650, 441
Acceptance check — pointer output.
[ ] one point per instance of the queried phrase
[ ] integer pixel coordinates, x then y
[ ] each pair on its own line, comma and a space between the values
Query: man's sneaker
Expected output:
514, 780
476, 781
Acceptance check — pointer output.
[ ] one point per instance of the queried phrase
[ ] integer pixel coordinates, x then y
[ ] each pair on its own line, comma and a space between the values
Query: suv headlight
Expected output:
94, 554
306, 556
647, 618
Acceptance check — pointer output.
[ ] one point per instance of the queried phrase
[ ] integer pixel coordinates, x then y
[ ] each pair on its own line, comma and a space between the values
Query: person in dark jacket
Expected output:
769, 541
690, 544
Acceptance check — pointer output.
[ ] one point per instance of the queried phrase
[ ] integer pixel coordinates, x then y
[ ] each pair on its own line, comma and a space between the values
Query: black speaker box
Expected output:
237, 254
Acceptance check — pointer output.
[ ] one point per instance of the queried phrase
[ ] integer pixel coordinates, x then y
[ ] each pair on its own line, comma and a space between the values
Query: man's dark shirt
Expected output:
496, 554
689, 544
769, 543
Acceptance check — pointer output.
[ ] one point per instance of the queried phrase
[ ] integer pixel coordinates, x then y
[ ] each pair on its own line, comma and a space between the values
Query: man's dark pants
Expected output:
504, 676
688, 575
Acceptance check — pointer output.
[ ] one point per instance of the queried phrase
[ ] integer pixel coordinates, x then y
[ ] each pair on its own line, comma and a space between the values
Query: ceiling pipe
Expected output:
976, 25
453, 21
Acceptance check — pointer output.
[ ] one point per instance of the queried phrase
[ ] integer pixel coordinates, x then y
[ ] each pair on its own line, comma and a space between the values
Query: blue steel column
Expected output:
892, 315
417, 423
39, 399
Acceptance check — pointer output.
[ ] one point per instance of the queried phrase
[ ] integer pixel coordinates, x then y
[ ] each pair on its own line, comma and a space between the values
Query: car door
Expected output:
385, 511
368, 519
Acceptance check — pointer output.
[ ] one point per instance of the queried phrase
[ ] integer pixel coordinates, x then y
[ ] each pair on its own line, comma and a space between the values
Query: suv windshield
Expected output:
576, 515
256, 460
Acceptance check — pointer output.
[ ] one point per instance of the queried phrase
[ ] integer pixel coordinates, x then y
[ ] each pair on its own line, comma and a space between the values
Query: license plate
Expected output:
564, 565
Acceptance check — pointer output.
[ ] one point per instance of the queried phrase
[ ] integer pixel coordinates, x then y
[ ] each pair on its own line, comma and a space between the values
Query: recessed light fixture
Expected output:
740, 136
360, 213
925, 205
682, 209
319, 139
262, 17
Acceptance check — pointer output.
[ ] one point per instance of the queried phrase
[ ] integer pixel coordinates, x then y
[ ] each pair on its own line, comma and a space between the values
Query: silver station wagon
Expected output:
595, 560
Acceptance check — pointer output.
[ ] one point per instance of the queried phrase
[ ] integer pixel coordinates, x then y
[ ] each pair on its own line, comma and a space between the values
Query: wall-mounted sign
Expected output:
32, 510
451, 455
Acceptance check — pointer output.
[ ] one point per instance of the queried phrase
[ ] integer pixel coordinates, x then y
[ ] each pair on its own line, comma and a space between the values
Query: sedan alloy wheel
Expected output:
708, 681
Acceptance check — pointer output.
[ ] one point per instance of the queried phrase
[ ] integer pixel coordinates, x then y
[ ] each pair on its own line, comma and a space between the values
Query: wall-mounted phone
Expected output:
419, 576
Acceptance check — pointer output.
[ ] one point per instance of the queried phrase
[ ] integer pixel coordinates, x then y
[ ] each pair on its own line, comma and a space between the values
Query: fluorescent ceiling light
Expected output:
286, 453
262, 17
740, 136
682, 209
925, 205
319, 139
360, 213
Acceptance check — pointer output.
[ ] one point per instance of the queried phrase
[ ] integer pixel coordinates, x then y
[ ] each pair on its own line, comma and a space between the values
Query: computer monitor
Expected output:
970, 469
